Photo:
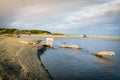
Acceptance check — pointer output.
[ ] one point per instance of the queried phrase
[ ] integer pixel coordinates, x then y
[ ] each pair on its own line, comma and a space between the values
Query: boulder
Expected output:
106, 53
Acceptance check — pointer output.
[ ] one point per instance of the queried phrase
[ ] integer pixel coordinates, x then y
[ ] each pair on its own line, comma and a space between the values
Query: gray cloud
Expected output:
57, 14
106, 13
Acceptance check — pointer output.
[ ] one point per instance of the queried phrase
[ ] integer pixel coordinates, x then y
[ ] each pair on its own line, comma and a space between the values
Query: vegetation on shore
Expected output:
58, 33
16, 31
8, 31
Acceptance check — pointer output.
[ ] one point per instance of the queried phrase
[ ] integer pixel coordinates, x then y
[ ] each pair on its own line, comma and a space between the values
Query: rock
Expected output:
30, 42
106, 53
25, 42
70, 46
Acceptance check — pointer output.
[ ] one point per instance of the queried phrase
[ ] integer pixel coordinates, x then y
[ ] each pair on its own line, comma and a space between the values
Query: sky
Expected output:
65, 16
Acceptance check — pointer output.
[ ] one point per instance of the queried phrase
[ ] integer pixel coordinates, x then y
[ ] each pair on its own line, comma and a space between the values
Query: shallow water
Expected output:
73, 64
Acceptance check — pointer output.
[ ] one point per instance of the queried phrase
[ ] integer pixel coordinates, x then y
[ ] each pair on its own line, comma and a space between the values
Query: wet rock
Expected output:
106, 53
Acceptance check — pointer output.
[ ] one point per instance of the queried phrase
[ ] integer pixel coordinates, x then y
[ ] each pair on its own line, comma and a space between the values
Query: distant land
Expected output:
16, 31
43, 33
27, 32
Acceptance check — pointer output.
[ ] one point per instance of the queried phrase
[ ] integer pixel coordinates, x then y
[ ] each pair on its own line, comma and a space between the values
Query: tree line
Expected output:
16, 31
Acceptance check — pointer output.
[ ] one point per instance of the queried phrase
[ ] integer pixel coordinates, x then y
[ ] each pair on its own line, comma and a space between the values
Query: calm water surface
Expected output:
72, 64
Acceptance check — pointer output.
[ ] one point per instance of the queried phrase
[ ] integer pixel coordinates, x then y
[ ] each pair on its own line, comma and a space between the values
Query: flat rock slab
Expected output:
106, 53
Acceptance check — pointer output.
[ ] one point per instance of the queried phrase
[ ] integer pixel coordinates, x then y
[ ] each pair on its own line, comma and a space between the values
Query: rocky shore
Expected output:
21, 61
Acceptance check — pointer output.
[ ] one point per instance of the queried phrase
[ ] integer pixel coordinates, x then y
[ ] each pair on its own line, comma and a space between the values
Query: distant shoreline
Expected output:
69, 36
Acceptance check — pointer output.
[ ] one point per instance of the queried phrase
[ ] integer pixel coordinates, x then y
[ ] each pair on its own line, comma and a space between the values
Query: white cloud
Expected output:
93, 14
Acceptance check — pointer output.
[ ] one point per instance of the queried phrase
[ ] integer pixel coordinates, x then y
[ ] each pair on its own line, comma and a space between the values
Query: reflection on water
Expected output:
106, 60
115, 40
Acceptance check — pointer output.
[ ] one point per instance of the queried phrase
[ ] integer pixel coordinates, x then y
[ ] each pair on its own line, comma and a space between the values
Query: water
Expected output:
73, 64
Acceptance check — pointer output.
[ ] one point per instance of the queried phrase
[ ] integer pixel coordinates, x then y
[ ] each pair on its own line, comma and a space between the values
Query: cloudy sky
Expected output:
66, 16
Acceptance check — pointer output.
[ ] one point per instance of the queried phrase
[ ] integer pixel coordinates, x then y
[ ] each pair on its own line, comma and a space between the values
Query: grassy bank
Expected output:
21, 61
